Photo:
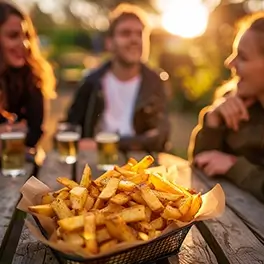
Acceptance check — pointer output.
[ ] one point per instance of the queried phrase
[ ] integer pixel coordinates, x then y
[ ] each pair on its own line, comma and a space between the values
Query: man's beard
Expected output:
126, 64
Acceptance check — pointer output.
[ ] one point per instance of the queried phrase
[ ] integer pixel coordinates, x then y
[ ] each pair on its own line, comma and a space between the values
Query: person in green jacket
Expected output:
229, 138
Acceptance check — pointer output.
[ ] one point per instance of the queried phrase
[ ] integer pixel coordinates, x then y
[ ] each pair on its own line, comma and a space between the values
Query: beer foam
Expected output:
12, 135
68, 136
105, 137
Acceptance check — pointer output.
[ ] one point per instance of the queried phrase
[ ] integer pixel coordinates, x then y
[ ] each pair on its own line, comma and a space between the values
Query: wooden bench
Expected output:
236, 237
11, 219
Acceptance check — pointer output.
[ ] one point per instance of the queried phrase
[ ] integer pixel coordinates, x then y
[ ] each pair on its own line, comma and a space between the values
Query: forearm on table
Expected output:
248, 176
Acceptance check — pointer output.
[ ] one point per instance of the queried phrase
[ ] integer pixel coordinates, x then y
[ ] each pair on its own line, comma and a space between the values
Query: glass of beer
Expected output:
67, 138
107, 147
13, 152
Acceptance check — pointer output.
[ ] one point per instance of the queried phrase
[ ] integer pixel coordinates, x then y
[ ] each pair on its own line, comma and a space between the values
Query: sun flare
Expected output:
187, 19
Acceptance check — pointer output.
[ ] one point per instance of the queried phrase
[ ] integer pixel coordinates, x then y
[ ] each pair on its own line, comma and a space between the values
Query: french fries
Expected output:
126, 204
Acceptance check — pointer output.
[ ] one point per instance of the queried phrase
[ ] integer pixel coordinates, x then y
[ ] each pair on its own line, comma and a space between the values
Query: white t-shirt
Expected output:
120, 98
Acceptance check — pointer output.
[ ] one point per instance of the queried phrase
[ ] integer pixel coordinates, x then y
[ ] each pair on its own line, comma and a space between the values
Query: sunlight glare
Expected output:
187, 18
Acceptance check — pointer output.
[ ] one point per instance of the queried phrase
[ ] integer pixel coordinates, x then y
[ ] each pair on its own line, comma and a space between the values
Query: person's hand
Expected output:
231, 110
214, 162
87, 144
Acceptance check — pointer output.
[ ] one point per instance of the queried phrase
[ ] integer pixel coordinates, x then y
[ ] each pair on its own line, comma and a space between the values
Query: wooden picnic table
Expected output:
236, 237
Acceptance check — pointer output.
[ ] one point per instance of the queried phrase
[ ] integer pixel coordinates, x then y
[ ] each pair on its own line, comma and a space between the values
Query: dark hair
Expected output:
37, 72
123, 12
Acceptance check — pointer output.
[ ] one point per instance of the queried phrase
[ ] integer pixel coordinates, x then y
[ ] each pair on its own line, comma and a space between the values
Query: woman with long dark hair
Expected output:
26, 78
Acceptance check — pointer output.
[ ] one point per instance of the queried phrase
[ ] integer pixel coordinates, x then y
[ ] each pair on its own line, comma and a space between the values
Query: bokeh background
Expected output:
189, 42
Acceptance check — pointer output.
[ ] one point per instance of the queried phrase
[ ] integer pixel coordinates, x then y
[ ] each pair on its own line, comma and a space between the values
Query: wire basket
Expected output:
162, 247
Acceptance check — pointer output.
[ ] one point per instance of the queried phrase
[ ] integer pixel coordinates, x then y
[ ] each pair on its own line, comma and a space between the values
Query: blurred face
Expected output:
126, 42
12, 40
247, 63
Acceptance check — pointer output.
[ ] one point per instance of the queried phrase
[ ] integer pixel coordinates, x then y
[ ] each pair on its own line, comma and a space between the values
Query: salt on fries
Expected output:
125, 204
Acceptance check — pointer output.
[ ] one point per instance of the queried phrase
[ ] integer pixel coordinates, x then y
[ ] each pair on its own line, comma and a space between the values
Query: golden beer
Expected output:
13, 153
107, 146
67, 146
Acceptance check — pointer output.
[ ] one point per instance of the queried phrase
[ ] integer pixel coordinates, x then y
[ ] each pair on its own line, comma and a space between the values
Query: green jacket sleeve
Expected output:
205, 138
248, 177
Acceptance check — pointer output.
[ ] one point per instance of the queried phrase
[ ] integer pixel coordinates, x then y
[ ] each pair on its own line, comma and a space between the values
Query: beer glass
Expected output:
13, 152
66, 140
107, 147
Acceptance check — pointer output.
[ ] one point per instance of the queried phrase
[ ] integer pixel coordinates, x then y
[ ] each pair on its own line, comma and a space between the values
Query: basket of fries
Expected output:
131, 214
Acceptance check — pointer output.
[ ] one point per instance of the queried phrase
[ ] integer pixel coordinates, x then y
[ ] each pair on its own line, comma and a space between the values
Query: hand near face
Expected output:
214, 162
230, 110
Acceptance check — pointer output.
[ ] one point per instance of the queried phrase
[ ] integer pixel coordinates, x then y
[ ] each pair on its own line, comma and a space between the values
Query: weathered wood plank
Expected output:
9, 196
194, 250
243, 204
30, 251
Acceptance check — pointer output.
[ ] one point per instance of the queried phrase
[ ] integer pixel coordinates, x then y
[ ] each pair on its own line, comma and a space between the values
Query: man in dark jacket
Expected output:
124, 95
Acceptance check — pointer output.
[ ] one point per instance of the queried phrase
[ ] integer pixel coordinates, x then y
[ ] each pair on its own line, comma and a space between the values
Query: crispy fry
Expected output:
148, 214
56, 193
47, 198
68, 203
81, 211
118, 229
143, 226
61, 209
154, 233
71, 224
90, 233
166, 197
73, 238
133, 214
151, 199
78, 196
102, 235
99, 218
67, 182
131, 162
89, 203
137, 197
161, 184
107, 175
171, 213
158, 224
131, 203
44, 209
99, 204
112, 208
143, 236
110, 189
108, 245
126, 186
196, 205
86, 177
120, 199
63, 195
185, 207
93, 190
138, 178
124, 172
143, 164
